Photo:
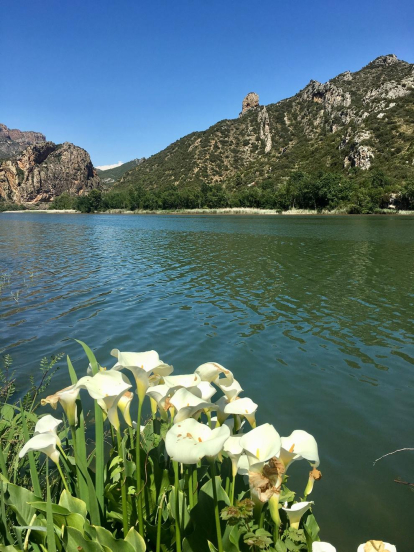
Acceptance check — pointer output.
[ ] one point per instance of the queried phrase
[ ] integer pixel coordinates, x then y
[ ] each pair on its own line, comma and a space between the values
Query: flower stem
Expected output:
159, 523
274, 513
63, 477
138, 470
194, 477
233, 485
123, 488
190, 486
216, 508
177, 508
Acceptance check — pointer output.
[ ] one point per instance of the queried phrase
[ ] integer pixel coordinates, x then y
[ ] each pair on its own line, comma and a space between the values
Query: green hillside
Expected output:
109, 176
354, 125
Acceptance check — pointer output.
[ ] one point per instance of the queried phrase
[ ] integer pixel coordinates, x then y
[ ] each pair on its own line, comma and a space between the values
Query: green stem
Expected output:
63, 477
195, 485
233, 485
3, 467
274, 514
190, 486
50, 531
138, 470
216, 508
123, 488
33, 469
177, 508
159, 523
99, 458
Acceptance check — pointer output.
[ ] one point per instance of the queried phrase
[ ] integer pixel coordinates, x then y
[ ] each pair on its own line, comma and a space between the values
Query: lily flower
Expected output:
67, 398
43, 442
48, 424
323, 547
230, 387
376, 546
124, 405
186, 380
148, 361
187, 404
261, 444
234, 451
204, 390
243, 407
295, 513
158, 395
142, 365
298, 446
189, 441
211, 371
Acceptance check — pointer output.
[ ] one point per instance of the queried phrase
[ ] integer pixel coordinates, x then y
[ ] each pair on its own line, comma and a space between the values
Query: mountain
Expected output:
44, 171
110, 176
355, 124
13, 141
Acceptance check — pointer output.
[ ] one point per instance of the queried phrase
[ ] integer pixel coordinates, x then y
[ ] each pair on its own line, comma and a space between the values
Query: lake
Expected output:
314, 315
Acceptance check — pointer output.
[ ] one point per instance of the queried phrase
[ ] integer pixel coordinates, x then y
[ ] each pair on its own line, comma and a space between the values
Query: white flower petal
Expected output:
44, 442
261, 443
230, 387
47, 423
210, 371
297, 446
67, 398
296, 511
322, 547
186, 380
105, 383
189, 441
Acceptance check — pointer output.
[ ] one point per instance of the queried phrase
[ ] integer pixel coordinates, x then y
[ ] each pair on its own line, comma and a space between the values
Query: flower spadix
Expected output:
243, 407
67, 399
43, 442
187, 404
323, 547
189, 441
376, 546
261, 444
296, 511
299, 445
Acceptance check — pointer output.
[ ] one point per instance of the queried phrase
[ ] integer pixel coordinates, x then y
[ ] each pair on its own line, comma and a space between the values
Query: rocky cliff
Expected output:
355, 122
13, 141
44, 171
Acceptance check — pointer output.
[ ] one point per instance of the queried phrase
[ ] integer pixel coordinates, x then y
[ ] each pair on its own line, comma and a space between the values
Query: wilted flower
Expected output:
376, 546
67, 398
314, 475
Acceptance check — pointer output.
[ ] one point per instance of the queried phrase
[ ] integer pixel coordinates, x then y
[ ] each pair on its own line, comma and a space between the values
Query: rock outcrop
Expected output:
44, 171
249, 102
13, 141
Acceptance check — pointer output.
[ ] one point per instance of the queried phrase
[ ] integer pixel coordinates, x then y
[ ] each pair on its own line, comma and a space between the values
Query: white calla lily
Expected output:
323, 547
67, 399
186, 380
48, 424
203, 390
124, 405
187, 404
106, 383
230, 387
234, 451
149, 361
261, 444
211, 371
298, 446
376, 546
296, 511
243, 407
243, 466
43, 442
189, 441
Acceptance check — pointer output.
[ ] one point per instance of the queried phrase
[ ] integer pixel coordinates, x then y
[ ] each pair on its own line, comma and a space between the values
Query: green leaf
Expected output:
33, 468
77, 521
55, 508
72, 504
18, 499
105, 538
184, 514
211, 547
135, 540
280, 546
74, 540
51, 541
91, 357
311, 529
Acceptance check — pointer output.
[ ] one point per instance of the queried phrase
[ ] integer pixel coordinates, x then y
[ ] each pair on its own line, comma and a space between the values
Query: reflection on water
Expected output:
313, 314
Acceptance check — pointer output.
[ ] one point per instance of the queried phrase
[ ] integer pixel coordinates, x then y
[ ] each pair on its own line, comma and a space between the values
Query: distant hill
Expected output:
13, 141
356, 123
110, 176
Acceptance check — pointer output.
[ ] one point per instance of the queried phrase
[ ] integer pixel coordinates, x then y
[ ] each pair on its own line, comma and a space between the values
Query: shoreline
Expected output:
233, 211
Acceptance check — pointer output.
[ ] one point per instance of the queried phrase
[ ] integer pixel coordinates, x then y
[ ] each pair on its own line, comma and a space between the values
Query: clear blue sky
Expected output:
125, 78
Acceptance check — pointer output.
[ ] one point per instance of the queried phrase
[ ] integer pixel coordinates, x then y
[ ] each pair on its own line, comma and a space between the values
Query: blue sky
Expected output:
124, 79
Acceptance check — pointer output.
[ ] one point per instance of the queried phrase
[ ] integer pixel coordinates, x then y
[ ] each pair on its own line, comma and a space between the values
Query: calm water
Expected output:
314, 315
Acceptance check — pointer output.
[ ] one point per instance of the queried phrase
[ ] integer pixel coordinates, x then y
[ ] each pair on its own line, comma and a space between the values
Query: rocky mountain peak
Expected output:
389, 59
249, 102
13, 141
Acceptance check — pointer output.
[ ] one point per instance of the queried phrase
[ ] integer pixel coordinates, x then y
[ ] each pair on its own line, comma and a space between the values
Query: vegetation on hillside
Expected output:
320, 191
